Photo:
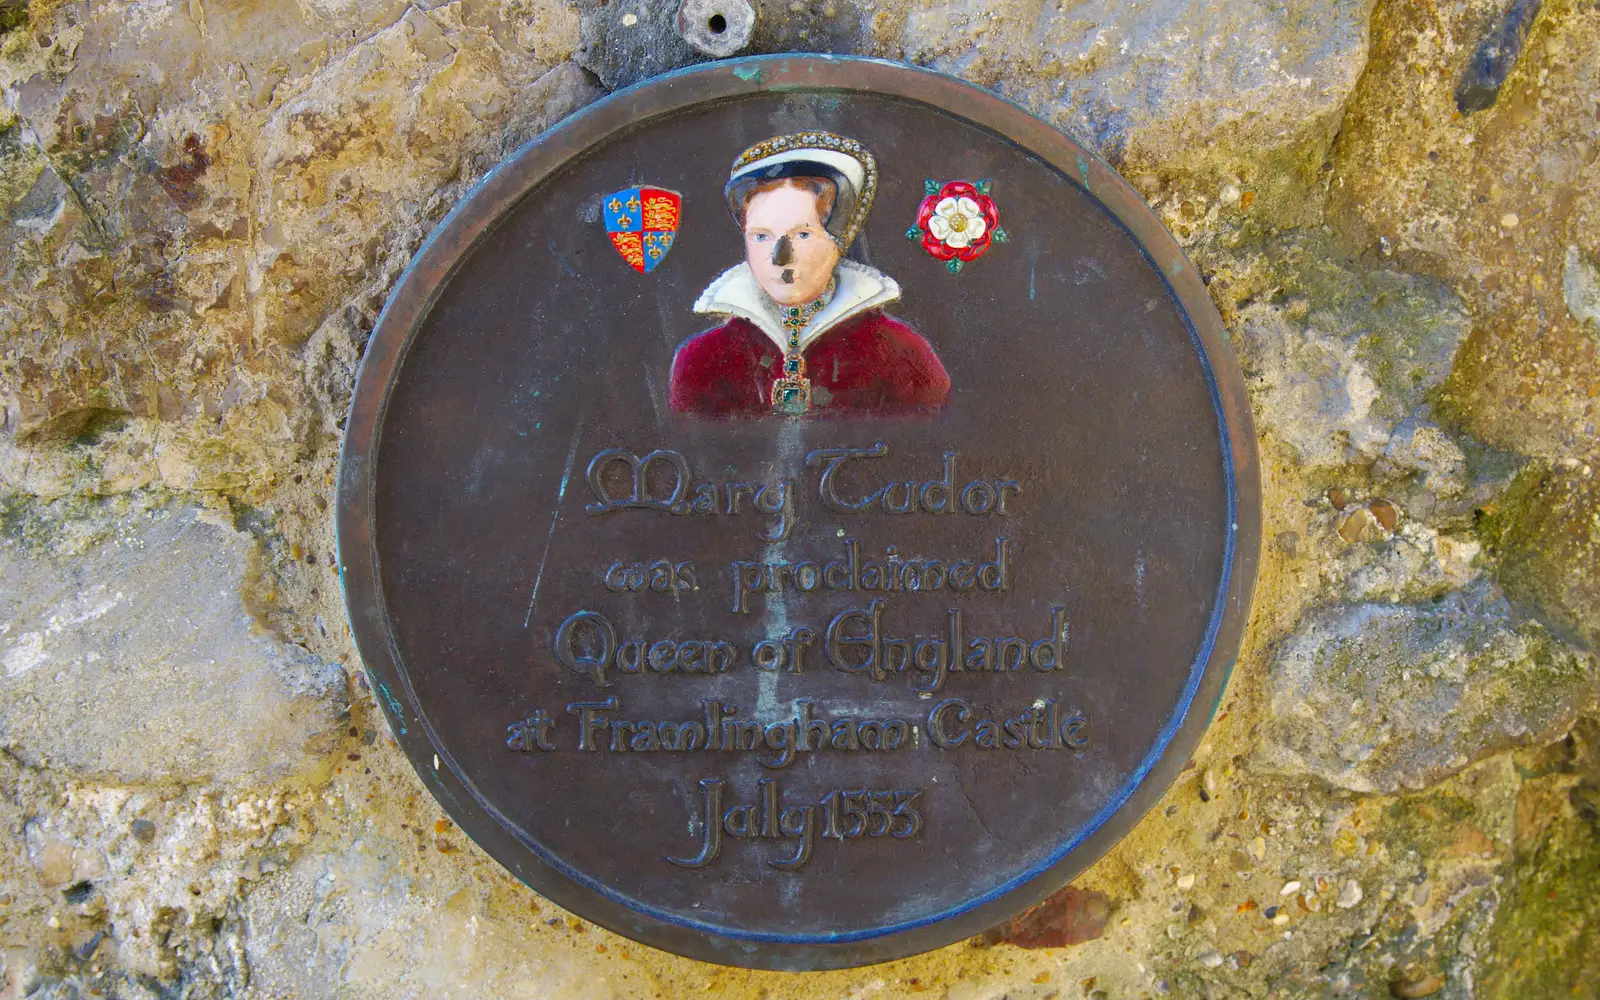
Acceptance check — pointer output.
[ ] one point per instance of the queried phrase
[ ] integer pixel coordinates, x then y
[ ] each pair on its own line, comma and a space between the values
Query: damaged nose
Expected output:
783, 253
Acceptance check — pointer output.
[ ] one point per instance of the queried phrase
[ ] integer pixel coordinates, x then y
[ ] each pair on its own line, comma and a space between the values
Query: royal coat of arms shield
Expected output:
641, 222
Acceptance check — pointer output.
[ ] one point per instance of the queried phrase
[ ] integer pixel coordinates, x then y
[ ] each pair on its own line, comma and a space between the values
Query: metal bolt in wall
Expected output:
717, 27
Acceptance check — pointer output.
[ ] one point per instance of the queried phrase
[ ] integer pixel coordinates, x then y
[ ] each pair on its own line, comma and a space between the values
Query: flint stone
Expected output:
1382, 697
1580, 286
1494, 60
623, 44
1072, 916
137, 661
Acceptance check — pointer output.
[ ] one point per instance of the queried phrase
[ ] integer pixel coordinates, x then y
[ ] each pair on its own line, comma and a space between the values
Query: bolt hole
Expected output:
718, 24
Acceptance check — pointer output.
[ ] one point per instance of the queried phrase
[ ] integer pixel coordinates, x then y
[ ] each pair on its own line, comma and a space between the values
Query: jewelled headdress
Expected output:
846, 162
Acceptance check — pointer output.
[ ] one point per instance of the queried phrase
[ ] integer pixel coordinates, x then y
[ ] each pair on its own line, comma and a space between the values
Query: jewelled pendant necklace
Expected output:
791, 393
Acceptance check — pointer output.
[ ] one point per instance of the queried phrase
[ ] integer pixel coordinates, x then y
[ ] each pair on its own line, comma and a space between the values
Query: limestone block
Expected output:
1336, 382
1158, 81
1384, 697
136, 661
1423, 449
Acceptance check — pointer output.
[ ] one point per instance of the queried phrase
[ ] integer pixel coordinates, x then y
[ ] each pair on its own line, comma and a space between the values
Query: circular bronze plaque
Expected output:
799, 512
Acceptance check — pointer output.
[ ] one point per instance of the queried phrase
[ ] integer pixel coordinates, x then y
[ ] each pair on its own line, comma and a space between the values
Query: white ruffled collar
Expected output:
736, 292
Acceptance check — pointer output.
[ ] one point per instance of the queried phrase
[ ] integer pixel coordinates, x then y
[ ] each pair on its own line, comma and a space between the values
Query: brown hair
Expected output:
821, 188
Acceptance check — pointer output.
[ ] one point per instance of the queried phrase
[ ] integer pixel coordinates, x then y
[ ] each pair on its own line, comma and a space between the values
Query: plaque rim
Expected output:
477, 214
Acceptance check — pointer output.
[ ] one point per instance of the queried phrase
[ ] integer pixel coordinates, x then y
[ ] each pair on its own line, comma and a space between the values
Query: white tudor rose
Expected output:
956, 222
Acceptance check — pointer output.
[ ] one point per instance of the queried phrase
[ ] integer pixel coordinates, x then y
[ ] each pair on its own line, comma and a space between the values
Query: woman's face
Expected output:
787, 248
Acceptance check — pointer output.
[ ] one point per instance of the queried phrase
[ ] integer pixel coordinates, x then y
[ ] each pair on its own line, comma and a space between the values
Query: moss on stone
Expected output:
1546, 936
1424, 823
20, 163
1544, 530
13, 15
14, 515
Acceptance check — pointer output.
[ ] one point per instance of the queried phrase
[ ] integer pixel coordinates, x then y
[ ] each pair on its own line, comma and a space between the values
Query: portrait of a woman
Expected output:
805, 331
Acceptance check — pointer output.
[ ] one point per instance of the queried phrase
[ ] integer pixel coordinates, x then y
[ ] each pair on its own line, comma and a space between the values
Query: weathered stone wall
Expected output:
204, 204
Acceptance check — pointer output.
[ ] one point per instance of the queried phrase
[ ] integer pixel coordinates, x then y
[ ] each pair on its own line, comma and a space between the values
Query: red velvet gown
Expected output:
870, 362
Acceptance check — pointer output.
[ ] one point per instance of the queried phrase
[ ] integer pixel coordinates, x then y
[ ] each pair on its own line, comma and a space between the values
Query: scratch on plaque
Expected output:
748, 73
1175, 269
1083, 171
977, 814
555, 516
561, 258
775, 616
659, 398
